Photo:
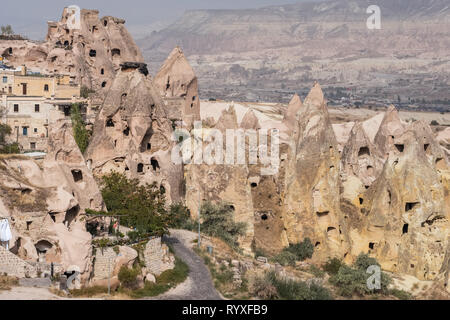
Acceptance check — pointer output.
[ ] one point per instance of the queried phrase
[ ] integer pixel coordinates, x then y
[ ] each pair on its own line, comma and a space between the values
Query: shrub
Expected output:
179, 217
400, 294
332, 266
285, 258
140, 206
353, 280
295, 252
85, 92
263, 288
317, 272
289, 289
80, 133
128, 277
218, 222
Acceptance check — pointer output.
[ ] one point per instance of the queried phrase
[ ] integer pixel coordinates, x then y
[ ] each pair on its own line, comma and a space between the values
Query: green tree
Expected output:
5, 147
7, 30
80, 133
140, 206
218, 222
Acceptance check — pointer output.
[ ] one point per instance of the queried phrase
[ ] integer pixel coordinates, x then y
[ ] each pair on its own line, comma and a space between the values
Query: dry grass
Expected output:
6, 282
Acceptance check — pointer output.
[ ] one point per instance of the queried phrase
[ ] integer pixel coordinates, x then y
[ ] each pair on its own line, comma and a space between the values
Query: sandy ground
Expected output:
25, 293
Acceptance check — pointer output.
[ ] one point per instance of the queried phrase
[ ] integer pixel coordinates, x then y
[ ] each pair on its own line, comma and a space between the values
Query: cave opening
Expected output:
405, 228
77, 175
410, 206
400, 147
154, 163
92, 53
363, 151
140, 168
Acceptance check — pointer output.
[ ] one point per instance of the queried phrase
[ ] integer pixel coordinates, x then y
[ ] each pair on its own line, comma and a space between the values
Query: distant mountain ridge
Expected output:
286, 47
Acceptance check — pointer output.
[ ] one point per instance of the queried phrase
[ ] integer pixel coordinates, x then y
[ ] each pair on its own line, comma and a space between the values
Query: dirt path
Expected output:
198, 285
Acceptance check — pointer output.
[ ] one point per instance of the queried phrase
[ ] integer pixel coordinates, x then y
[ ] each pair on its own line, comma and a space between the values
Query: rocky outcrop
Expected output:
406, 227
290, 117
46, 202
222, 182
91, 54
390, 129
361, 157
133, 135
177, 83
311, 202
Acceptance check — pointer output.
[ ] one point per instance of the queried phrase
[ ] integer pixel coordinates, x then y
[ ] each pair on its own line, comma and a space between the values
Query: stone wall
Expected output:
103, 257
157, 257
12, 265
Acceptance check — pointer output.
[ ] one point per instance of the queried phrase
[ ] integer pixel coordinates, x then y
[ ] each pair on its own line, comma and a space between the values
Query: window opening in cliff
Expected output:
317, 244
168, 83
103, 84
363, 151
66, 43
330, 229
426, 146
102, 71
10, 50
140, 168
193, 98
405, 228
192, 105
29, 224
322, 214
149, 146
105, 22
92, 53
70, 216
26, 191
264, 217
410, 206
154, 163
126, 132
110, 123
77, 175
253, 184
162, 189
371, 245
42, 247
94, 29
361, 201
115, 52
52, 216
400, 147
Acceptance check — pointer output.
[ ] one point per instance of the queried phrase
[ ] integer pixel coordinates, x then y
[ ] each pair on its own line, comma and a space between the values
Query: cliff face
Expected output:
311, 203
46, 203
91, 54
133, 135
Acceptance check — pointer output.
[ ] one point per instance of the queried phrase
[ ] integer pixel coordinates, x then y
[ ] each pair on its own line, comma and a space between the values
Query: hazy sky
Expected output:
30, 17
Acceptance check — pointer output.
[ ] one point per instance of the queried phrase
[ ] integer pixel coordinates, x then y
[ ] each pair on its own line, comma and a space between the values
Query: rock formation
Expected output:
406, 226
290, 116
311, 202
391, 128
91, 54
46, 202
177, 83
133, 135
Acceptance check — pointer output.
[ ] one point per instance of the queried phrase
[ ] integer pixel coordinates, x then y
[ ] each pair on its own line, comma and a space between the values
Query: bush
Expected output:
353, 280
128, 277
168, 279
263, 288
289, 289
295, 252
332, 266
400, 294
80, 133
218, 222
179, 217
141, 207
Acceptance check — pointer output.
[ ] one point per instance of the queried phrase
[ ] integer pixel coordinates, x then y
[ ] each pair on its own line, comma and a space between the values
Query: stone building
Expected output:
31, 101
